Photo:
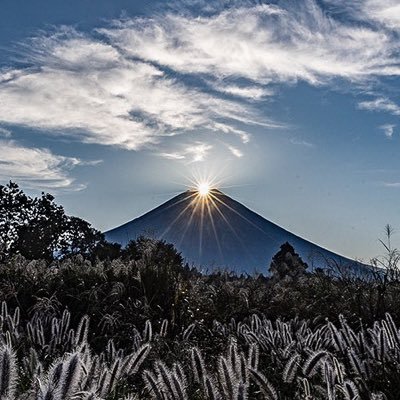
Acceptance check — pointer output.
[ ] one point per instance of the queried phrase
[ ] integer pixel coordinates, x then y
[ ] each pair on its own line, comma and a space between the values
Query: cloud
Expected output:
383, 12
386, 12
198, 152
224, 128
85, 88
36, 167
5, 133
247, 92
380, 104
391, 184
127, 85
195, 152
388, 130
261, 43
235, 151
172, 156
300, 142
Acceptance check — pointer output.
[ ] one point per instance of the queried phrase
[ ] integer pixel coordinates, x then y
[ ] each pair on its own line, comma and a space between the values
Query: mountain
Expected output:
214, 231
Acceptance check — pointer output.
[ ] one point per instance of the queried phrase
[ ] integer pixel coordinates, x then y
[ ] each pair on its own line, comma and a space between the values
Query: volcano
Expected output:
213, 231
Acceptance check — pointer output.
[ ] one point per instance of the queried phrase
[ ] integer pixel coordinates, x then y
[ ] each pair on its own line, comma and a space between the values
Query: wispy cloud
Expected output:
225, 128
380, 104
84, 88
36, 167
195, 152
5, 133
383, 12
388, 130
198, 152
172, 156
391, 184
300, 142
247, 92
235, 151
386, 12
125, 85
262, 43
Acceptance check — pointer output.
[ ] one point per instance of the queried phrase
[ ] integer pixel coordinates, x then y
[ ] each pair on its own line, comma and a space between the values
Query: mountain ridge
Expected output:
216, 231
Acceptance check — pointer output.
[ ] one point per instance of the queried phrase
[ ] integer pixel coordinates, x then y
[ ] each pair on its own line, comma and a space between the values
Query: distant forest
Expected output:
82, 318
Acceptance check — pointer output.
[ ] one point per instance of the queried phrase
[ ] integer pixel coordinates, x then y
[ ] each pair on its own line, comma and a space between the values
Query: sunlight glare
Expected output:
203, 189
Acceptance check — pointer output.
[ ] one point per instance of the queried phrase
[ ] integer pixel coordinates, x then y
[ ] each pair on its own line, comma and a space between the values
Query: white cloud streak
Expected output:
84, 88
235, 151
385, 13
198, 152
36, 167
5, 133
391, 184
263, 43
172, 156
380, 104
195, 152
300, 142
388, 130
247, 92
125, 85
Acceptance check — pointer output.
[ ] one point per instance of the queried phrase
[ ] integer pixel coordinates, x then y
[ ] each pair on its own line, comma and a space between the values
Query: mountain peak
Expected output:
213, 231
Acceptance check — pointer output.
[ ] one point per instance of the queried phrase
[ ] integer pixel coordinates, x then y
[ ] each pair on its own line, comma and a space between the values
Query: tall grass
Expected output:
261, 359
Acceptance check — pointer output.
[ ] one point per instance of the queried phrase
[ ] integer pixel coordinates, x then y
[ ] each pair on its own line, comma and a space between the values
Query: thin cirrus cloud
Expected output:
391, 184
195, 152
235, 151
37, 167
247, 92
388, 130
87, 89
380, 104
263, 43
383, 12
5, 133
125, 85
386, 12
300, 142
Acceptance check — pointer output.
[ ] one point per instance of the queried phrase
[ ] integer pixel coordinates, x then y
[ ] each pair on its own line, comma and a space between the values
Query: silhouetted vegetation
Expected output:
38, 228
94, 321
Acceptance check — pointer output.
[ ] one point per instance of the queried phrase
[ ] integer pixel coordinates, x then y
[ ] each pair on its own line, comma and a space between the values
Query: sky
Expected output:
292, 107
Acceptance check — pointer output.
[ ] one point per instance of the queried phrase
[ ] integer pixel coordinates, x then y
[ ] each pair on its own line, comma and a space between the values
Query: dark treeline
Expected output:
85, 319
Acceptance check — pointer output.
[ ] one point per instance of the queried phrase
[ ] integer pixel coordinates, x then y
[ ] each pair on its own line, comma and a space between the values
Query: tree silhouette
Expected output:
287, 264
39, 237
38, 228
15, 210
79, 237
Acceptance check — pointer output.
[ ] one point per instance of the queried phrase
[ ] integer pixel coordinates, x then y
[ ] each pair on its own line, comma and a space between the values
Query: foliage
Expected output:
45, 357
38, 228
84, 319
287, 264
197, 337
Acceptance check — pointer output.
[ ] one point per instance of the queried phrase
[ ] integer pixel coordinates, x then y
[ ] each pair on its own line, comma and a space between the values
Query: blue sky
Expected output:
293, 106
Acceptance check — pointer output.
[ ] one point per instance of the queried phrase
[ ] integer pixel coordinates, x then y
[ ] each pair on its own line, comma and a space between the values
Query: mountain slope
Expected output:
215, 231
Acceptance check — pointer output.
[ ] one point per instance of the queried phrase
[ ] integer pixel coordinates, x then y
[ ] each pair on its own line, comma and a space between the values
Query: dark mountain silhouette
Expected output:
216, 231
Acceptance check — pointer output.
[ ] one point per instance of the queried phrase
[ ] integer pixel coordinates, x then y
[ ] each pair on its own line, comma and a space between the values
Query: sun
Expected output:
203, 189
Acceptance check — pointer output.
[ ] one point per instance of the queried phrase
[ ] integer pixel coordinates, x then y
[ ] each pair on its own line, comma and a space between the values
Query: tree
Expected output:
79, 237
159, 251
38, 228
39, 237
106, 251
15, 210
287, 264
